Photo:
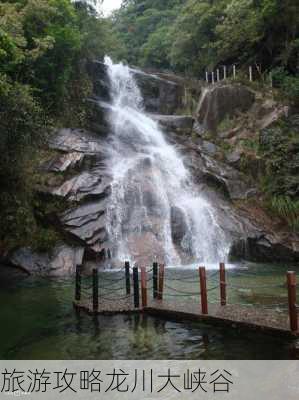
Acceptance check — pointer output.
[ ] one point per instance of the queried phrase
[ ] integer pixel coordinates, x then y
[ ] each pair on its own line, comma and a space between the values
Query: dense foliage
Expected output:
44, 47
192, 35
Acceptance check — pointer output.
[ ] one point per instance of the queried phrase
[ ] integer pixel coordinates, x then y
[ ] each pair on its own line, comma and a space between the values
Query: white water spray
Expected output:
152, 188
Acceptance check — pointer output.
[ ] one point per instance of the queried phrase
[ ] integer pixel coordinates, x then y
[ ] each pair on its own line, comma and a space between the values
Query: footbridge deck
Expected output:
195, 296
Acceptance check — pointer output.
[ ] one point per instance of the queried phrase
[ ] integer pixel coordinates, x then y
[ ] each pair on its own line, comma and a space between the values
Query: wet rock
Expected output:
77, 140
234, 158
266, 248
160, 95
179, 227
198, 128
209, 148
145, 248
220, 101
87, 223
98, 120
84, 186
97, 70
228, 179
63, 163
60, 262
177, 123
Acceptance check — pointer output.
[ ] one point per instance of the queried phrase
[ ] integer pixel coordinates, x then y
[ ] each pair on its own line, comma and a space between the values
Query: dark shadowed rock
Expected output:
62, 260
97, 70
177, 123
160, 95
220, 101
265, 248
179, 226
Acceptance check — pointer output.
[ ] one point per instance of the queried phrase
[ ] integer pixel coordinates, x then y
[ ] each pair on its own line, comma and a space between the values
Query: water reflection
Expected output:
39, 322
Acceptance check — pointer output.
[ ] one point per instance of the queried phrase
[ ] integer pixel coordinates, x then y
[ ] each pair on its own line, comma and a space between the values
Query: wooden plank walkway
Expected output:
274, 321
235, 316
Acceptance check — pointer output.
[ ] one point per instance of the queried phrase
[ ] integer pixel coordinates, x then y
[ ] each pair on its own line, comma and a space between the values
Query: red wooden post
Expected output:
143, 287
203, 290
222, 284
161, 281
291, 282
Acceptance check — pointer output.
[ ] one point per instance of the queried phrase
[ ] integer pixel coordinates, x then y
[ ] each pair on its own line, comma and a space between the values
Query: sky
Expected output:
109, 5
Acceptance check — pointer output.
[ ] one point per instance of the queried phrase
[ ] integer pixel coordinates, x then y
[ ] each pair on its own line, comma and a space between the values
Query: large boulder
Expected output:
62, 260
64, 162
176, 123
160, 95
266, 247
87, 224
86, 185
221, 101
78, 140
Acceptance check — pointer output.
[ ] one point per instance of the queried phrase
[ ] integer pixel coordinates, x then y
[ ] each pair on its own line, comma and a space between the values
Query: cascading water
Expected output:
152, 191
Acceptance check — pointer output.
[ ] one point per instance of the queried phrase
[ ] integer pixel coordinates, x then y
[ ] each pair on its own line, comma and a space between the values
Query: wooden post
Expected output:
222, 284
203, 290
78, 283
161, 281
218, 75
143, 287
271, 80
128, 281
155, 280
136, 287
207, 77
213, 78
291, 282
234, 72
95, 290
250, 74
224, 72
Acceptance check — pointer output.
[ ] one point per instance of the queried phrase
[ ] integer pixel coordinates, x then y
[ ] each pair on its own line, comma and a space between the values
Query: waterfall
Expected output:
155, 210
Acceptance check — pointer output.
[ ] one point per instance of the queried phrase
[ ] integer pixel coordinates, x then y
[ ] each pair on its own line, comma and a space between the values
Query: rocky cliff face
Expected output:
221, 101
80, 157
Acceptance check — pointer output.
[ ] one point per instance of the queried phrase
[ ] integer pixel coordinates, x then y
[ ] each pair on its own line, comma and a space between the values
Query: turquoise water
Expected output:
39, 322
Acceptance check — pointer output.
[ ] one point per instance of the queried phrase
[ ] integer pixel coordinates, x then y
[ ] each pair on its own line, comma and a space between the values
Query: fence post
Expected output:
250, 74
203, 290
218, 75
222, 284
161, 281
95, 290
155, 280
128, 281
78, 283
143, 287
213, 78
271, 79
136, 287
207, 77
224, 72
234, 72
291, 282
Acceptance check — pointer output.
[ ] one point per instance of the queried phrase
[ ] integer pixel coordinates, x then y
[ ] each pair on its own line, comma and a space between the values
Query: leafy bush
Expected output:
289, 84
288, 209
44, 46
